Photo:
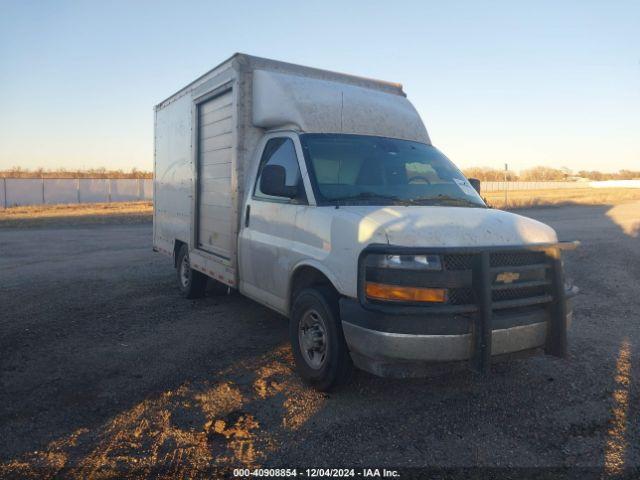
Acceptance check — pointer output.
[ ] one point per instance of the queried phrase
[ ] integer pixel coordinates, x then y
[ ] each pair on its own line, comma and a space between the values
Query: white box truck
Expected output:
320, 195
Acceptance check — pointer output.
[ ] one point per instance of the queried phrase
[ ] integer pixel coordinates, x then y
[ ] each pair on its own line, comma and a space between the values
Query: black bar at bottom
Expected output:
557, 332
483, 325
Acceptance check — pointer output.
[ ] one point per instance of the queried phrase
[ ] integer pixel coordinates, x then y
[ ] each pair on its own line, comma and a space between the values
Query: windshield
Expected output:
366, 170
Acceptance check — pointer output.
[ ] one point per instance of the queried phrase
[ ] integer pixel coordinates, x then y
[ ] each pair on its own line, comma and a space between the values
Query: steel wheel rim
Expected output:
184, 271
312, 338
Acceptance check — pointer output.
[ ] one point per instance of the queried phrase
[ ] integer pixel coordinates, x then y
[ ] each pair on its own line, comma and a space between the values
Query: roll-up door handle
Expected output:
247, 215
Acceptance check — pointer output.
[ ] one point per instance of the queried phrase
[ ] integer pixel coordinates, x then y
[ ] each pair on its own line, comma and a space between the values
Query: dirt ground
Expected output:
106, 372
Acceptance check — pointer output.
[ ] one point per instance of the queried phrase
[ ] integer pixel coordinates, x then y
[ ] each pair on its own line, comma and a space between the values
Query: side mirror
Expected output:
475, 183
272, 182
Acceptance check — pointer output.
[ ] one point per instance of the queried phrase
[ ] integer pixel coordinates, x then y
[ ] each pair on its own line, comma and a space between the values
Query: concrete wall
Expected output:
616, 184
37, 191
501, 186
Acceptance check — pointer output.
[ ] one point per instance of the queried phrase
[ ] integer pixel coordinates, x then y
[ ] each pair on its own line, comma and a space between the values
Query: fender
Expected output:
309, 262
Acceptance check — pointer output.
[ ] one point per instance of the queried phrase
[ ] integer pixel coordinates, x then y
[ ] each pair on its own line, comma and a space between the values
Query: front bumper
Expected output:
377, 351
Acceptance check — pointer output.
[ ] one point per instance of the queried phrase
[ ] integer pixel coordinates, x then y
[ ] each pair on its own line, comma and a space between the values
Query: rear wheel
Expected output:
191, 282
320, 351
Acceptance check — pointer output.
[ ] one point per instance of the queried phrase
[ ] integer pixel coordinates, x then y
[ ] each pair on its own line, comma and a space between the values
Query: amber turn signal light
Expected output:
398, 293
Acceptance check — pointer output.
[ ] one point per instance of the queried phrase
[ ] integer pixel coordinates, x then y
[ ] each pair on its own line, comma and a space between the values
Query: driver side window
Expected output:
280, 151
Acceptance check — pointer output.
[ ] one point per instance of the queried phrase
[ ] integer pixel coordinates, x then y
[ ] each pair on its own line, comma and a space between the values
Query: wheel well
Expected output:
305, 277
176, 249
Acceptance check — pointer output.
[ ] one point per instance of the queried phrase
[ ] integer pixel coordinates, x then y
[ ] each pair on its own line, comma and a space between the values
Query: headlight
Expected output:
405, 262
389, 277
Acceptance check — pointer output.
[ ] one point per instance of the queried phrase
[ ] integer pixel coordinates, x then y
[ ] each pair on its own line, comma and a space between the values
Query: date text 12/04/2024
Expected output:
316, 472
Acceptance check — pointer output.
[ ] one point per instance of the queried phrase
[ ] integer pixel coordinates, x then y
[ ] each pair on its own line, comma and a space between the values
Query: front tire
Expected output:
319, 349
191, 282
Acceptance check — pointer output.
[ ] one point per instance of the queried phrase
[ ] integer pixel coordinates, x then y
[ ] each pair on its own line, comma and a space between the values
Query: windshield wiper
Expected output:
445, 200
369, 196
439, 200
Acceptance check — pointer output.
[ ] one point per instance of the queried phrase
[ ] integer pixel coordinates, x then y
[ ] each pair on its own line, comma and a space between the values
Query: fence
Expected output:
38, 191
502, 186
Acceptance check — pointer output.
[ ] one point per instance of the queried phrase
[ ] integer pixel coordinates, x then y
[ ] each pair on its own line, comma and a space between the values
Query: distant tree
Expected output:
542, 174
591, 175
621, 175
629, 174
486, 174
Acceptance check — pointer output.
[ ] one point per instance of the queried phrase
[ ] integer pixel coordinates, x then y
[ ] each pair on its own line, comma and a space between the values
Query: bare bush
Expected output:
543, 174
621, 175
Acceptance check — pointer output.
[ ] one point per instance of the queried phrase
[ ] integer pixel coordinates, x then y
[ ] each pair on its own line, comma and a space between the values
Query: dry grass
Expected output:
89, 213
141, 212
560, 197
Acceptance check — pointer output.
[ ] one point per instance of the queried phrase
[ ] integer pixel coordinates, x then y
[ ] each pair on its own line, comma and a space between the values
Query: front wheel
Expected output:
191, 282
320, 351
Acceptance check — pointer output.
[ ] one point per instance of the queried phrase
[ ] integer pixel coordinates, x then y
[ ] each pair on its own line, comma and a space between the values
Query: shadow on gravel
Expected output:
195, 429
208, 385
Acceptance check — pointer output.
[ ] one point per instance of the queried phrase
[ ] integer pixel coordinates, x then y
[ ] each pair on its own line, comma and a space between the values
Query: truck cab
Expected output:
321, 196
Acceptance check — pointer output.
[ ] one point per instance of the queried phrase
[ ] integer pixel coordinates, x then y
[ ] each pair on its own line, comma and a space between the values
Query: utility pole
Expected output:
506, 186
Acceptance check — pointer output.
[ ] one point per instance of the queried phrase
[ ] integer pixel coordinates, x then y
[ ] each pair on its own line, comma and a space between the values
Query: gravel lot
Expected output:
105, 371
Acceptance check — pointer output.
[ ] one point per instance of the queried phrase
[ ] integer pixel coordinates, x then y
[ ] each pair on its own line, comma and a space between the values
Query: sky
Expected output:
524, 83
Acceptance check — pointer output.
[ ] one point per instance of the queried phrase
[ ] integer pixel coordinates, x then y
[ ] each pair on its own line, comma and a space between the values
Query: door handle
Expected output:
247, 215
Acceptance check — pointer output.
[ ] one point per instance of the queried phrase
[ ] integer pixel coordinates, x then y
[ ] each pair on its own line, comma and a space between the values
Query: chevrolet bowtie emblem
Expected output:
507, 277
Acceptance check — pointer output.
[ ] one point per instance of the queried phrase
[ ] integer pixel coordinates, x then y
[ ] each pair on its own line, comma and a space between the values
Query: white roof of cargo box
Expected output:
286, 95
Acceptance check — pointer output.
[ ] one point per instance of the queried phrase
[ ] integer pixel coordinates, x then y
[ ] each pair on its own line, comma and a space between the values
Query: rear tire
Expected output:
319, 349
191, 282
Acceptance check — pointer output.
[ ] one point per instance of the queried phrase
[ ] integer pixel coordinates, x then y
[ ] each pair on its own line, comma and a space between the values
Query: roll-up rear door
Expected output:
215, 142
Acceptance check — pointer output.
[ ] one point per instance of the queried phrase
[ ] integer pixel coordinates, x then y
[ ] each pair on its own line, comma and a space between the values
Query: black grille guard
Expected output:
481, 279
